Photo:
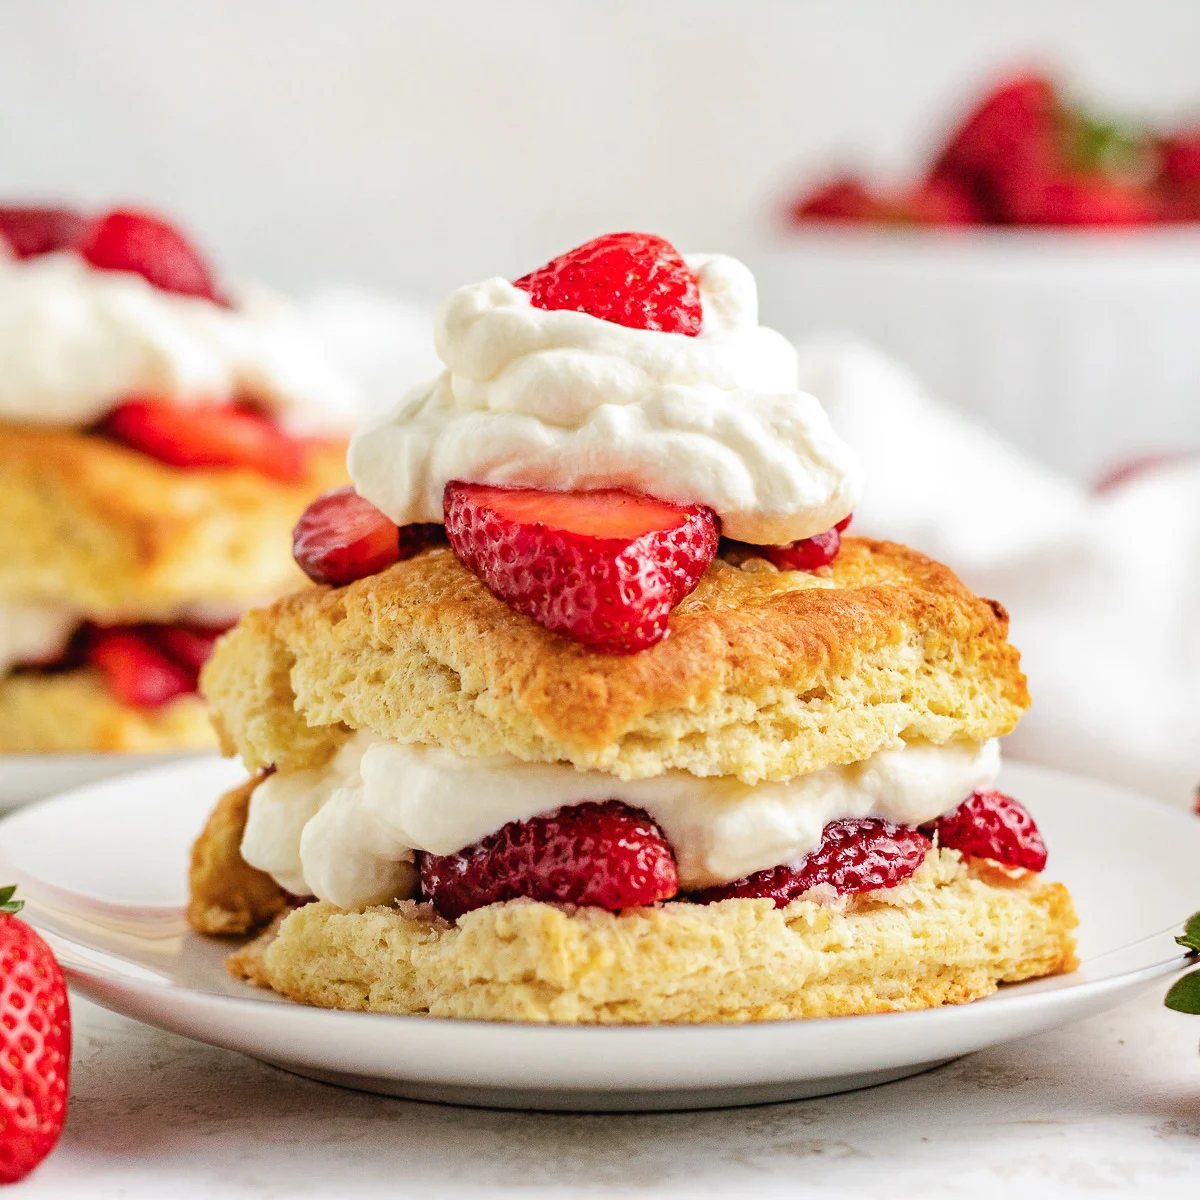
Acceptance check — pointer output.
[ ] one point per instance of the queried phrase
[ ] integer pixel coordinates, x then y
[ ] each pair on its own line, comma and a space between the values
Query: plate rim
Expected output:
92, 977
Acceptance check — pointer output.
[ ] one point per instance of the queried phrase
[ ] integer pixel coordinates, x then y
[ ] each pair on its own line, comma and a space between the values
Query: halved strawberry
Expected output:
605, 855
341, 537
604, 568
137, 673
855, 855
125, 240
992, 825
207, 435
33, 231
632, 279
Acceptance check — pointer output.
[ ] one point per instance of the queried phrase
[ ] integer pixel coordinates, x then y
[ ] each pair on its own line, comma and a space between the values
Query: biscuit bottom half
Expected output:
951, 934
74, 712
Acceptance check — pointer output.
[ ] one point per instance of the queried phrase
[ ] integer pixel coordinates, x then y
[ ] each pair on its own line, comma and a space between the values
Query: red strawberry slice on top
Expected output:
604, 568
125, 240
207, 435
341, 537
33, 231
632, 279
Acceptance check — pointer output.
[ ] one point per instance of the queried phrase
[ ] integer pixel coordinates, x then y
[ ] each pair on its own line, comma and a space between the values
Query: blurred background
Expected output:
402, 148
414, 145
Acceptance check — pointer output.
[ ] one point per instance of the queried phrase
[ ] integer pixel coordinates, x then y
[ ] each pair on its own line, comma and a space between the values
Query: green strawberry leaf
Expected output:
7, 903
1191, 933
1184, 995
1108, 148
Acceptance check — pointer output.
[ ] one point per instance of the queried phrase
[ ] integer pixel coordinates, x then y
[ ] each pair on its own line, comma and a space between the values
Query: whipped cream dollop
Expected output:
346, 832
568, 402
75, 340
33, 633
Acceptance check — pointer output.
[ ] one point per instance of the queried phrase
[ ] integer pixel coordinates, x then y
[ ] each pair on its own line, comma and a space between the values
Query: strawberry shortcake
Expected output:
158, 438
599, 715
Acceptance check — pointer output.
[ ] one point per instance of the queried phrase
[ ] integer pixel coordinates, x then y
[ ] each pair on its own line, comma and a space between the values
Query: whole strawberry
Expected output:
35, 1045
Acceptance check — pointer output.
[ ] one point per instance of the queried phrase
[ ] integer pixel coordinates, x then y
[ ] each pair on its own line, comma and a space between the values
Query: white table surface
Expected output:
1109, 1107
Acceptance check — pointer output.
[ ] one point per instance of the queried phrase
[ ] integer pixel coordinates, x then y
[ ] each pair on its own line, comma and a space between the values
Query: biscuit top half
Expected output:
765, 675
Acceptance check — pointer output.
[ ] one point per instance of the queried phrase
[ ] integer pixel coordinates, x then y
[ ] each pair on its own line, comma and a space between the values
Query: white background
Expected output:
414, 145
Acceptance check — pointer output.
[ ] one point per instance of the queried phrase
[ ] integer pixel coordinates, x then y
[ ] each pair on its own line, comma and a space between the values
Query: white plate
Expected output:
102, 872
26, 777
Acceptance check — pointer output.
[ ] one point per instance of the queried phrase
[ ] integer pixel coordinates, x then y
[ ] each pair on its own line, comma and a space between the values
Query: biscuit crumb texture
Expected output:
73, 712
226, 894
766, 674
950, 935
103, 530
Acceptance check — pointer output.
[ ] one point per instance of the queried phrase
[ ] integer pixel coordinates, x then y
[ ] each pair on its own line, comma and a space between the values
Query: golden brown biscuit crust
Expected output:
226, 894
96, 527
73, 712
947, 936
765, 675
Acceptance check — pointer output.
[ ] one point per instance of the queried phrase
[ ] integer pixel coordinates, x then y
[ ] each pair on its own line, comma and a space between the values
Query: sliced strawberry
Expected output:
854, 856
845, 198
124, 240
606, 855
34, 231
207, 435
632, 279
604, 568
992, 825
341, 537
190, 646
137, 673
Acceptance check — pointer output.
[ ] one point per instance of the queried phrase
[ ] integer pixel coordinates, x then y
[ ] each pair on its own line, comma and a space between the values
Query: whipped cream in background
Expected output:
31, 633
346, 832
75, 340
568, 402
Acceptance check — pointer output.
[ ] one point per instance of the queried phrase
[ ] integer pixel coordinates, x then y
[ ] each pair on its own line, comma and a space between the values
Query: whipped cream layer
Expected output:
32, 633
346, 832
568, 402
74, 341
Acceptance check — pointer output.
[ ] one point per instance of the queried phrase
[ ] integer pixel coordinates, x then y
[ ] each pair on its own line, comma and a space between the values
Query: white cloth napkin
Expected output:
1103, 591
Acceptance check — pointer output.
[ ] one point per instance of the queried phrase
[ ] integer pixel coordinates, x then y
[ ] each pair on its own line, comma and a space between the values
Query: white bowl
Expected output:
1083, 347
